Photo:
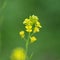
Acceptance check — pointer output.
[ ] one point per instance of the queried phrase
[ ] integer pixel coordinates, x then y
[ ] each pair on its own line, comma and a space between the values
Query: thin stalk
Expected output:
32, 34
27, 45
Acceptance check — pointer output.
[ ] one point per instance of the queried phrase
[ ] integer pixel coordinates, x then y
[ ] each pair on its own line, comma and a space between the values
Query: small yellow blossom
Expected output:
33, 18
22, 34
33, 39
36, 29
28, 28
27, 21
18, 54
38, 24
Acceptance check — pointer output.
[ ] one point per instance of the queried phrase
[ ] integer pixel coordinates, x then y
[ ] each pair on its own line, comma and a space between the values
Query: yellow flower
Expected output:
27, 21
33, 39
38, 24
28, 28
18, 54
33, 18
36, 29
22, 34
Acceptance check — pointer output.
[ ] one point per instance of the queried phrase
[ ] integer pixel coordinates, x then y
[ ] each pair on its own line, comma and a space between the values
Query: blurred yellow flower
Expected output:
36, 29
38, 24
33, 18
27, 21
18, 54
28, 28
22, 34
33, 39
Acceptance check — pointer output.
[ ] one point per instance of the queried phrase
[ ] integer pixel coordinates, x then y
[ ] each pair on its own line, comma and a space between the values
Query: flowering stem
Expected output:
27, 44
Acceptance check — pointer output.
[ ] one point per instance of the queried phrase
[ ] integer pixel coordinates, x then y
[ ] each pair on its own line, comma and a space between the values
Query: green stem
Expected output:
27, 44
32, 33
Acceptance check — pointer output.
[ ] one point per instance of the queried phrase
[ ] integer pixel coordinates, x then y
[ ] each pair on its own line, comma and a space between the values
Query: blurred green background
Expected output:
12, 14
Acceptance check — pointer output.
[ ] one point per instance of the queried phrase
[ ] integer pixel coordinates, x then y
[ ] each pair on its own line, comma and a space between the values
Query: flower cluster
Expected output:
32, 25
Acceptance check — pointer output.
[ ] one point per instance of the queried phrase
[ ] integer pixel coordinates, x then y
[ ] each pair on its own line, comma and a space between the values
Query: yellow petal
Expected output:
28, 27
27, 22
36, 29
34, 17
29, 30
33, 39
22, 34
38, 24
